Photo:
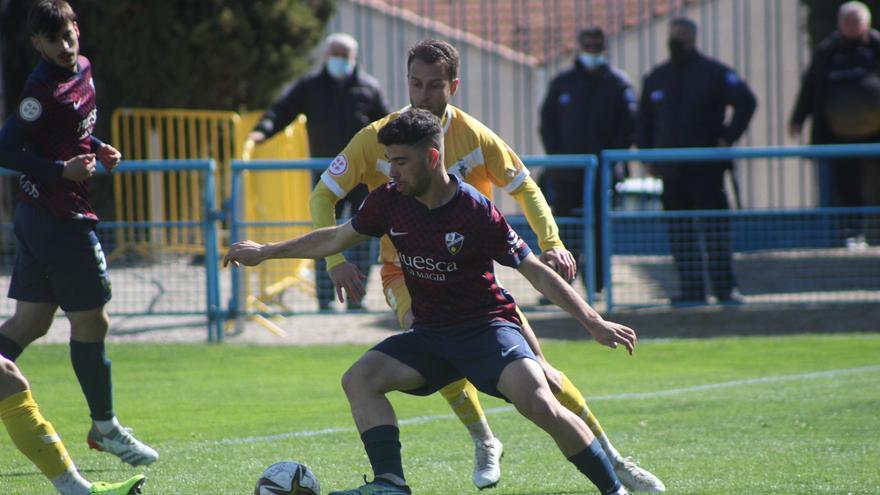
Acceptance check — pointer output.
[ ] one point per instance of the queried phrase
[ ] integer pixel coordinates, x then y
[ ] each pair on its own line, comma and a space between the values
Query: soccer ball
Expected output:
287, 478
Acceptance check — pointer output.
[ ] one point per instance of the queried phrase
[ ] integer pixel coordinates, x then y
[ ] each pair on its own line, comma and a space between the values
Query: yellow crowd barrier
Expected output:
162, 134
157, 134
277, 196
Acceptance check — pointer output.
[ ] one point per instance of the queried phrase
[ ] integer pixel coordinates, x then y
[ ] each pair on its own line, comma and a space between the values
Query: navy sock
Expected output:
382, 444
9, 348
593, 462
92, 369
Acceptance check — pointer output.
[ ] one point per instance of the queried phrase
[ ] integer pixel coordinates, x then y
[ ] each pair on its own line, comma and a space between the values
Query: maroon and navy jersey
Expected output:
52, 124
447, 253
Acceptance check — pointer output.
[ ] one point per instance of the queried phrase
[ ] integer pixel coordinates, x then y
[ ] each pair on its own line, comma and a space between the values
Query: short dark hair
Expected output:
591, 32
685, 22
432, 51
415, 127
47, 17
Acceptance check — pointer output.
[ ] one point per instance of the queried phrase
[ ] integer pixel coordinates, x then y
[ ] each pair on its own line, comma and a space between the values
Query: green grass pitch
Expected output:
758, 415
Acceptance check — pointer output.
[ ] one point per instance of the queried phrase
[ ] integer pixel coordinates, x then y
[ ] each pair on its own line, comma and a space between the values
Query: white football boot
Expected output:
487, 463
121, 443
635, 478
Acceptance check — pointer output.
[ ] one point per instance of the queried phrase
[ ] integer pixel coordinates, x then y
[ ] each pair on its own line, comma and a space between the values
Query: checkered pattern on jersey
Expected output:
447, 253
58, 114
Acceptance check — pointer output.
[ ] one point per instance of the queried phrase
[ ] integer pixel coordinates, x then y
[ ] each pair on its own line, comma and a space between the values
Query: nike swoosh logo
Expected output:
507, 351
395, 234
76, 104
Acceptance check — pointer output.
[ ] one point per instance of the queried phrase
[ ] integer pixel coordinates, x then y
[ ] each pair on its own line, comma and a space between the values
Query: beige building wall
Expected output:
762, 39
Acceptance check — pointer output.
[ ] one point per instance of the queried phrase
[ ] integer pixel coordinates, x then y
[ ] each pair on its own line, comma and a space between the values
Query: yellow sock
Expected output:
462, 396
570, 397
33, 435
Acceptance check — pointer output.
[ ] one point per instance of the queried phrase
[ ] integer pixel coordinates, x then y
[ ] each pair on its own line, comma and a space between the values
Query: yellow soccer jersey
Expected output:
473, 153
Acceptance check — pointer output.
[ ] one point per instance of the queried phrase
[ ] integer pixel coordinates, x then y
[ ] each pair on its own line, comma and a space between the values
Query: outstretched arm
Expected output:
316, 244
551, 285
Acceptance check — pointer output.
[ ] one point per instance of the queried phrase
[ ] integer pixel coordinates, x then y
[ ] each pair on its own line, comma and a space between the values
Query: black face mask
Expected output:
679, 51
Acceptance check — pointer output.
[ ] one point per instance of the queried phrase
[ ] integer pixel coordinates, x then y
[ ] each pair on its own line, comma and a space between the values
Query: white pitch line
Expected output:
504, 409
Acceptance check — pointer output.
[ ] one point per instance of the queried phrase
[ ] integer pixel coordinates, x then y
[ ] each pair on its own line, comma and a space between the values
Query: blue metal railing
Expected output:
208, 224
587, 162
609, 157
215, 311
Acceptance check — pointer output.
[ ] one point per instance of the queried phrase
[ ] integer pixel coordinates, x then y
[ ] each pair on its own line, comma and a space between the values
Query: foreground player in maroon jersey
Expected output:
59, 261
447, 236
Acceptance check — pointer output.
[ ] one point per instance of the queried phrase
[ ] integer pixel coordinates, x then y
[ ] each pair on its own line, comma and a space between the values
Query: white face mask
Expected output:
592, 60
339, 67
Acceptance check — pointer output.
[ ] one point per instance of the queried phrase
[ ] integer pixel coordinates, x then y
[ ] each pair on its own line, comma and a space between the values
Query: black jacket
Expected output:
683, 105
336, 110
839, 71
586, 112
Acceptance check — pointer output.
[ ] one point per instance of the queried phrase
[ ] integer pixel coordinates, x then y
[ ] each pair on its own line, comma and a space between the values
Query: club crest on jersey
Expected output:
454, 241
338, 166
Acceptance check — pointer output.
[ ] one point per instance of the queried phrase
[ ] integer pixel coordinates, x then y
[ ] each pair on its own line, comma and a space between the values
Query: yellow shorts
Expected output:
396, 293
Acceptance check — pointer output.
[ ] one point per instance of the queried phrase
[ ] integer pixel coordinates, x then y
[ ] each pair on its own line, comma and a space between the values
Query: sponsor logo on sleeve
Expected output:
338, 166
30, 109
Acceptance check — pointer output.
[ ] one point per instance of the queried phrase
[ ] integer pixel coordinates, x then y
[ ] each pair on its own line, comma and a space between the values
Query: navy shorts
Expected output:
58, 261
442, 356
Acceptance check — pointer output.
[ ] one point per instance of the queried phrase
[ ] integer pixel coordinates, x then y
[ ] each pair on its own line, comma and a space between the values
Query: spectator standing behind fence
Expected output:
840, 91
588, 108
338, 100
683, 104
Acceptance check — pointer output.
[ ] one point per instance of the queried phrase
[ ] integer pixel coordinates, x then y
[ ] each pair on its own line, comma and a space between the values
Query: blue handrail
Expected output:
208, 223
609, 157
588, 162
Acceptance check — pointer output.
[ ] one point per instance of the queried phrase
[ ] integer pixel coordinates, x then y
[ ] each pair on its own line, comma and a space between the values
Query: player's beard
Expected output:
416, 187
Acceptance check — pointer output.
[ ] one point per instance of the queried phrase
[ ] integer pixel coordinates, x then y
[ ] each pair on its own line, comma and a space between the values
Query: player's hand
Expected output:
257, 137
247, 253
561, 261
347, 277
554, 376
109, 156
79, 168
613, 334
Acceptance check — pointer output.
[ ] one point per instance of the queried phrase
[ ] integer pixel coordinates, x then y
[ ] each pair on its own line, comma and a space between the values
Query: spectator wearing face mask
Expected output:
338, 100
588, 108
684, 104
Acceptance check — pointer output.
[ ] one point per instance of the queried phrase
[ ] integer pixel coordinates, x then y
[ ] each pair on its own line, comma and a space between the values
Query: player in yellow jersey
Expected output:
37, 440
477, 155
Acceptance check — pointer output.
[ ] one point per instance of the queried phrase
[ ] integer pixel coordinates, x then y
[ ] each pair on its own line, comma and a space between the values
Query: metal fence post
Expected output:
212, 265
589, 225
605, 204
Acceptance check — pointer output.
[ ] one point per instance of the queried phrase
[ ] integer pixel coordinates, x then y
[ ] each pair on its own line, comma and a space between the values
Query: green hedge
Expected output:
209, 54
